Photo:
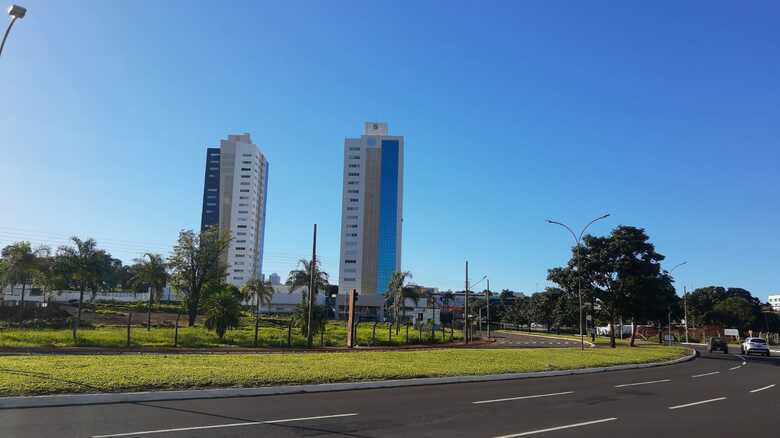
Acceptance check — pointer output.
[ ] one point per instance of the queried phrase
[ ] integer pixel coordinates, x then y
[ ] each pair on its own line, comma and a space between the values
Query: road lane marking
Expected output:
697, 403
568, 426
744, 361
761, 389
521, 397
734, 368
705, 374
217, 426
642, 383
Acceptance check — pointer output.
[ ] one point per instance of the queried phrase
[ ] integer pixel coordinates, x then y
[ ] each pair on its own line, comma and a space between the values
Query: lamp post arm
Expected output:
7, 31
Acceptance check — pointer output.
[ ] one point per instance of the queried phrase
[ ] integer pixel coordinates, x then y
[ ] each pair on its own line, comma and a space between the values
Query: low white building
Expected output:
774, 301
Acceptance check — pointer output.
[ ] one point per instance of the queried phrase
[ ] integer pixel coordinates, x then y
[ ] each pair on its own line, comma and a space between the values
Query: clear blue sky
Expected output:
665, 115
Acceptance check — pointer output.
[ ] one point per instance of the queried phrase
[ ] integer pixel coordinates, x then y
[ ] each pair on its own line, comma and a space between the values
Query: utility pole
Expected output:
487, 307
466, 307
312, 285
685, 309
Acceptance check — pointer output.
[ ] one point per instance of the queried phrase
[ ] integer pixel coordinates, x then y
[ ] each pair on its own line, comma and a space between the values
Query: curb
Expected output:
148, 396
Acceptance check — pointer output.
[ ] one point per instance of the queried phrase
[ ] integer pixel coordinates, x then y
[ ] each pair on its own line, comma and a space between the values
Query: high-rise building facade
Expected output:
371, 212
234, 198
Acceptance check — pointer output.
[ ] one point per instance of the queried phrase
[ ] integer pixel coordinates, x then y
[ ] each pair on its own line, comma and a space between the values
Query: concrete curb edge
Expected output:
59, 400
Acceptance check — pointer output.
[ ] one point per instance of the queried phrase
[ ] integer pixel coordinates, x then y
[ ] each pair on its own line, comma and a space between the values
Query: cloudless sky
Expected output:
664, 114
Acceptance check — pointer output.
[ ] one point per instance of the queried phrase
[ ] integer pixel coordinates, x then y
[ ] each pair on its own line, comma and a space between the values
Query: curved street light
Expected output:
685, 305
578, 242
466, 304
16, 12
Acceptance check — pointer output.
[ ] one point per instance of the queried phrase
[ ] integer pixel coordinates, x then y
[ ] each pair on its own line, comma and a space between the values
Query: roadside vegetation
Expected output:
273, 332
46, 374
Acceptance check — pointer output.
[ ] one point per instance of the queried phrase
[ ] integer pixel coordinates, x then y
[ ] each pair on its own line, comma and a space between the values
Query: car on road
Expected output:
718, 344
755, 345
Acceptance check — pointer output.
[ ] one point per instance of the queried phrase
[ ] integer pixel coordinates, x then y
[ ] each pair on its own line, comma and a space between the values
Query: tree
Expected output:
301, 278
20, 264
727, 307
261, 293
223, 312
151, 273
619, 269
81, 266
396, 294
198, 265
49, 272
446, 299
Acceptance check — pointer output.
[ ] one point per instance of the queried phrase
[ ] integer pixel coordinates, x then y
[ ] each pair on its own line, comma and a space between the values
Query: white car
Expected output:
755, 345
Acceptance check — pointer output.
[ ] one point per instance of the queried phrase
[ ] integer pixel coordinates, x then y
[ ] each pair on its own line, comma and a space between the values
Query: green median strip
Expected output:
51, 374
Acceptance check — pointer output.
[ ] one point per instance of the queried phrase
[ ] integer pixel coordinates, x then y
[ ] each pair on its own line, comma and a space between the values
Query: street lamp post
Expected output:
685, 305
577, 241
487, 307
16, 12
466, 331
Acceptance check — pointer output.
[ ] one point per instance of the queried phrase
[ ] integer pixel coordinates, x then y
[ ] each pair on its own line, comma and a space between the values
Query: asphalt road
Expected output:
521, 340
715, 395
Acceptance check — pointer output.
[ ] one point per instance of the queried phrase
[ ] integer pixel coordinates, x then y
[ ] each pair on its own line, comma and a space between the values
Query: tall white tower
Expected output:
234, 197
371, 211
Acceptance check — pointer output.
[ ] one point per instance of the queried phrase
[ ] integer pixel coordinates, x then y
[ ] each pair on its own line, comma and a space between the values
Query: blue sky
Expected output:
664, 114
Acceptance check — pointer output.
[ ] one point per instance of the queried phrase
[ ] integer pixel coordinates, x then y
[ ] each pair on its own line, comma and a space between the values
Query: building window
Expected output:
354, 165
349, 279
244, 190
241, 226
353, 174
353, 199
352, 183
354, 148
353, 191
350, 261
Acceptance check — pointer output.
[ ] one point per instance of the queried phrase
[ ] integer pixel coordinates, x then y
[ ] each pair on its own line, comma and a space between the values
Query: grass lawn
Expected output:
48, 374
271, 335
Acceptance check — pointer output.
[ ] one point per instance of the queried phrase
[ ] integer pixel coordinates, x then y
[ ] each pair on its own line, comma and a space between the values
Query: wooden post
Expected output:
351, 301
373, 334
322, 334
389, 333
289, 333
129, 321
176, 330
407, 332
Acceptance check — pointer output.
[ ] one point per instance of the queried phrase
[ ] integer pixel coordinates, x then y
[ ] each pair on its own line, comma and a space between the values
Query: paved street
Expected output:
715, 395
525, 340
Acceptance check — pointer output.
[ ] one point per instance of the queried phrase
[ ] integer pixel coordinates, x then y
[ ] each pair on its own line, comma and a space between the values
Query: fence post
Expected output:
322, 334
129, 321
389, 333
289, 334
176, 330
419, 333
407, 332
373, 334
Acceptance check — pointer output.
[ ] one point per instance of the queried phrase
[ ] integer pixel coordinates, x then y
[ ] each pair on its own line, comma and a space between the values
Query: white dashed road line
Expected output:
705, 374
697, 403
218, 426
761, 389
734, 368
521, 397
551, 429
642, 383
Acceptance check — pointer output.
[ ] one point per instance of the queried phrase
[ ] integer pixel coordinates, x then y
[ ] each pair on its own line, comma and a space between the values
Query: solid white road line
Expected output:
217, 426
642, 383
697, 403
734, 368
568, 426
705, 374
521, 398
761, 389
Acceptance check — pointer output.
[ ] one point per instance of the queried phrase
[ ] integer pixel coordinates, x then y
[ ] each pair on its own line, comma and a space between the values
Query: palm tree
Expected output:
262, 293
395, 291
81, 263
19, 268
300, 278
150, 272
223, 312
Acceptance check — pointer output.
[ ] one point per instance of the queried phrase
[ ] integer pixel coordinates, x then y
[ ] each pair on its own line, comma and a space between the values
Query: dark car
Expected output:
719, 344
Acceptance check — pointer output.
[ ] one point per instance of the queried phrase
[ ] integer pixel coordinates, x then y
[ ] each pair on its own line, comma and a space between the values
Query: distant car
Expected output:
718, 344
73, 301
755, 345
